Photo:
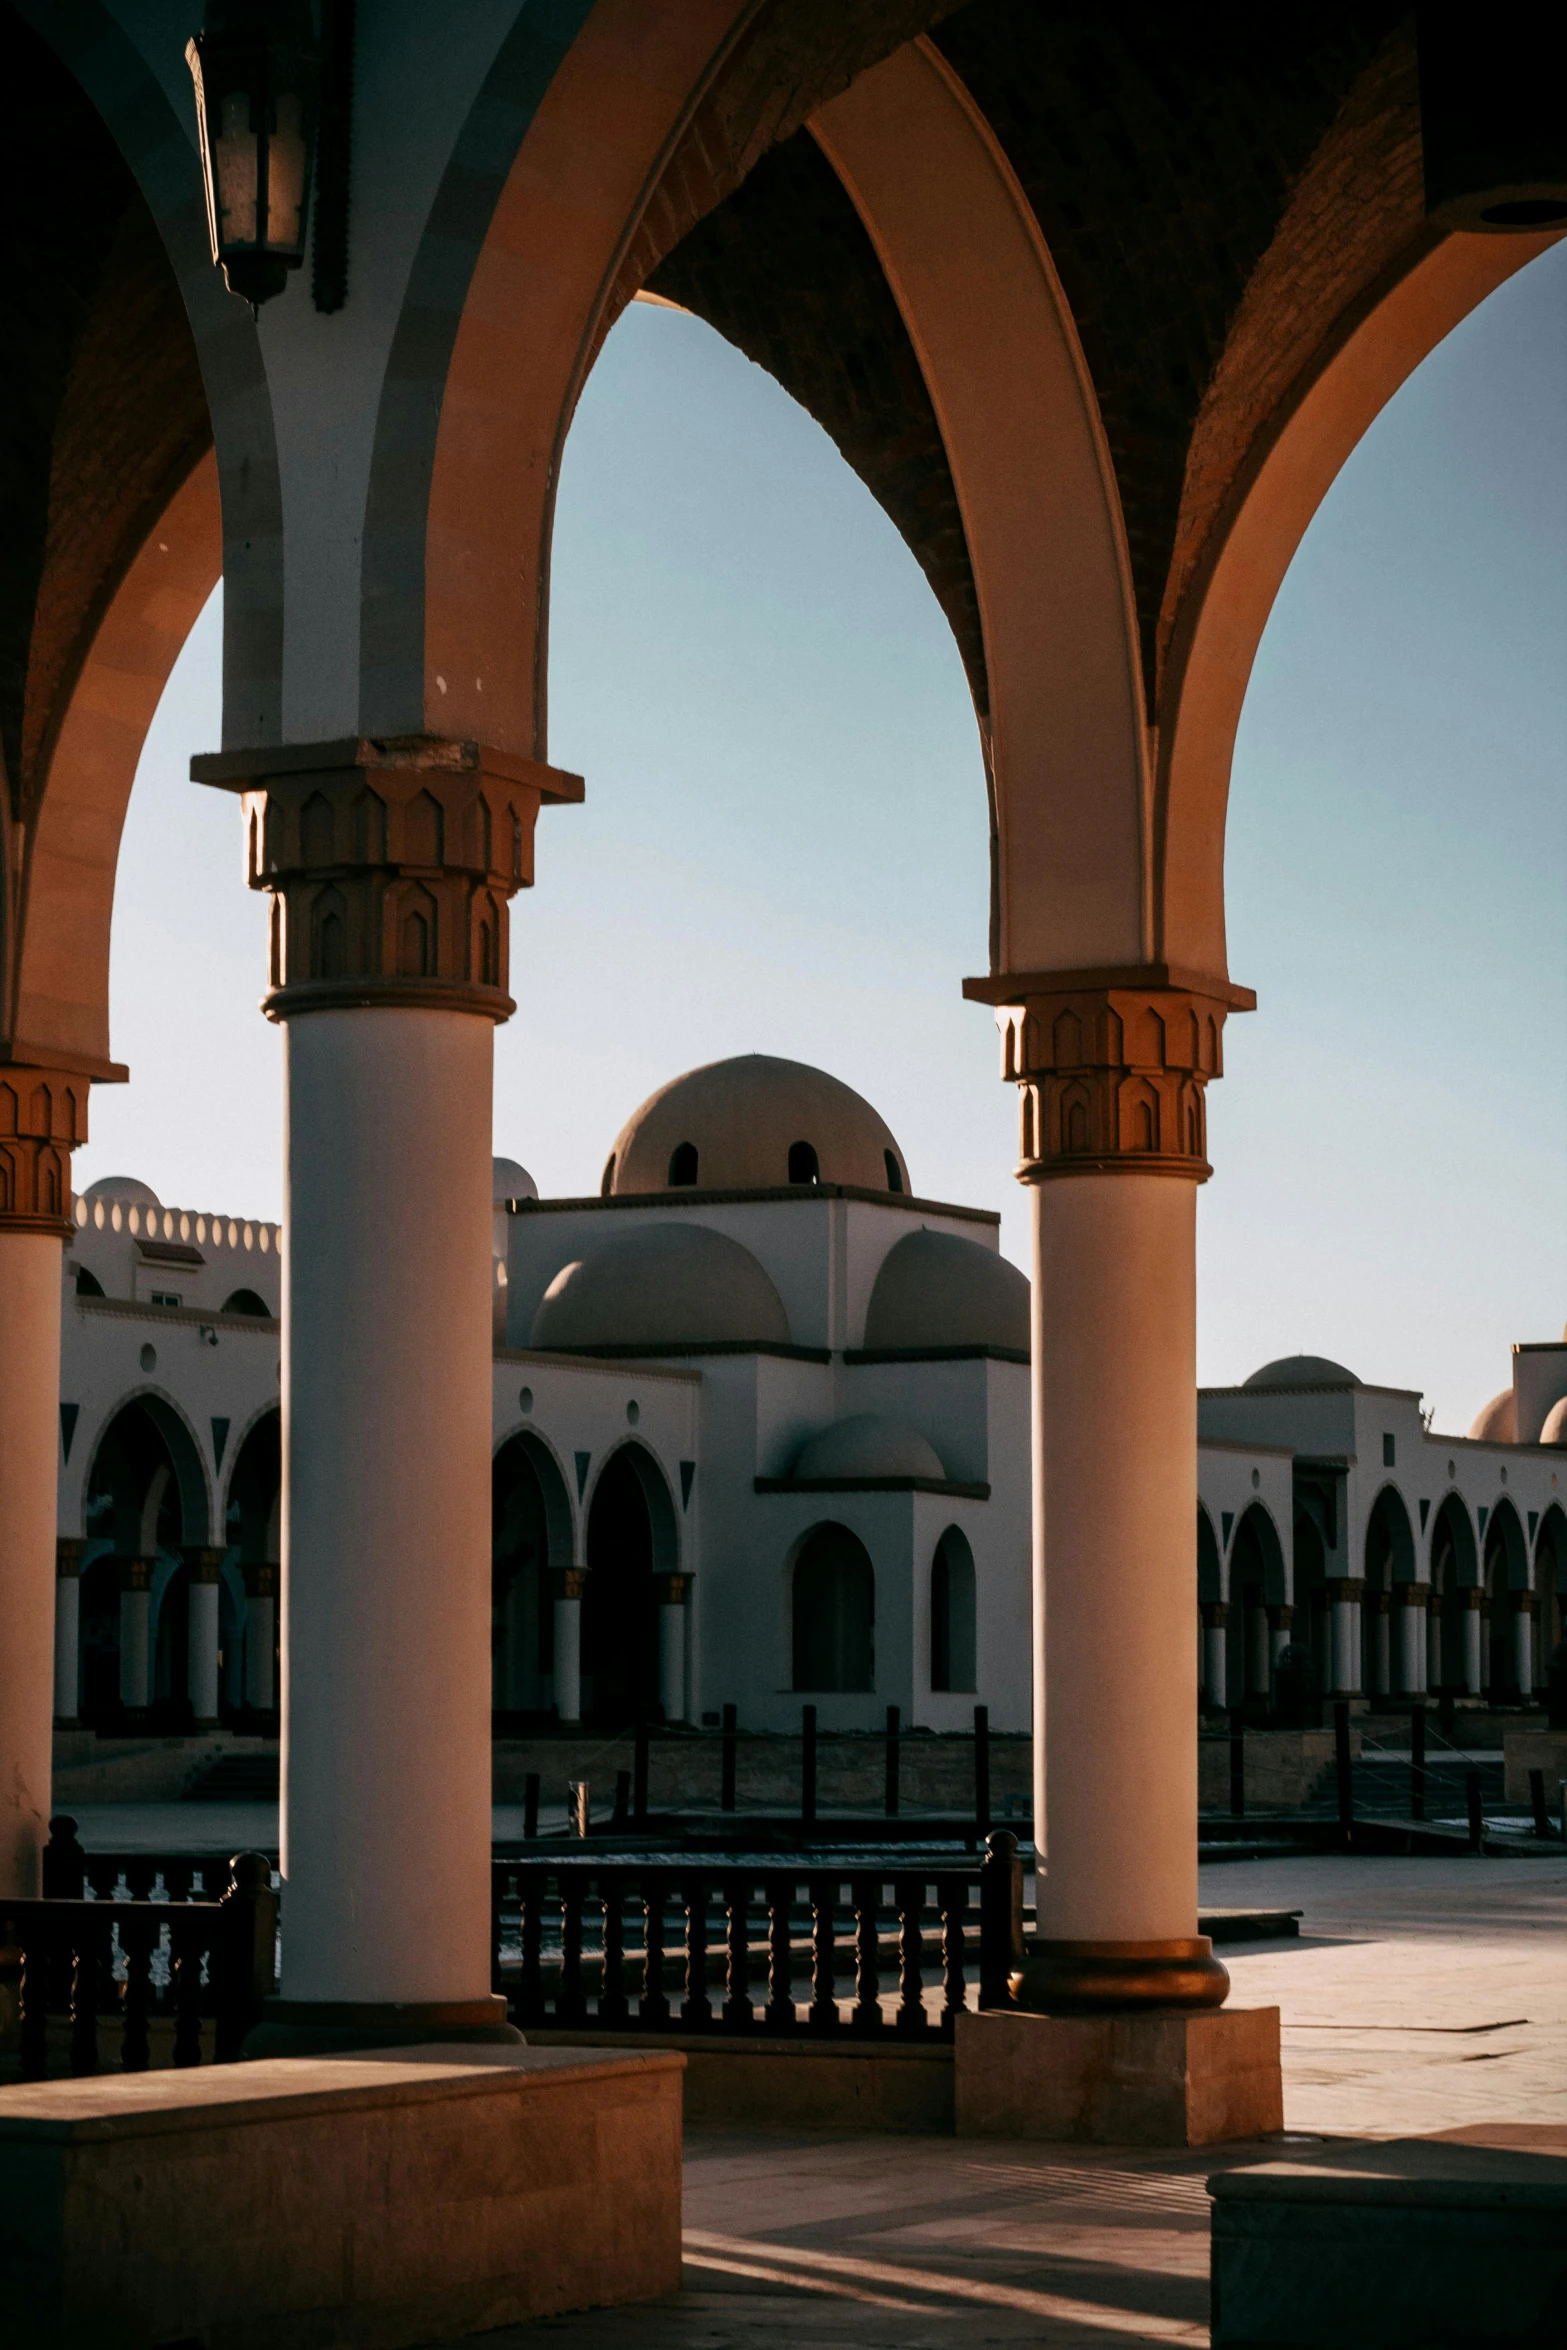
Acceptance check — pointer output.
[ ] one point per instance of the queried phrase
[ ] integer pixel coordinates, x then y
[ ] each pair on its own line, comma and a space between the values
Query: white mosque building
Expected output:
761, 1435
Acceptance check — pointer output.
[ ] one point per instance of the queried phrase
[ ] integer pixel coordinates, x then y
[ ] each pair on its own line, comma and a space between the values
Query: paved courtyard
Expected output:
1422, 1996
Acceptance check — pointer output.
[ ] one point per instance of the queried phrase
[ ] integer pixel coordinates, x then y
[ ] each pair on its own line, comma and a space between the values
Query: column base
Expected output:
1155, 2078
1074, 1977
327, 2027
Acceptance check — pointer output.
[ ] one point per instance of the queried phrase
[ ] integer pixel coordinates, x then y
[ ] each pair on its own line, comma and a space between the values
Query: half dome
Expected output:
754, 1124
1302, 1371
935, 1289
866, 1444
1555, 1428
671, 1285
1497, 1421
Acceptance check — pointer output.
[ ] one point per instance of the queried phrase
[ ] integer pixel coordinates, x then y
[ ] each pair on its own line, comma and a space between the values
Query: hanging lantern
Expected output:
254, 64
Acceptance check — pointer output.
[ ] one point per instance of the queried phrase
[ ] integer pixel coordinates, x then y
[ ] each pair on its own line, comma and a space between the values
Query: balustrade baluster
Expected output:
38, 1964
1000, 1918
867, 1956
571, 1999
529, 2003
696, 2009
613, 2004
103, 1875
952, 1895
90, 1963
187, 1941
779, 2015
653, 2008
139, 1936
141, 1874
909, 1893
739, 2014
823, 2015
179, 1877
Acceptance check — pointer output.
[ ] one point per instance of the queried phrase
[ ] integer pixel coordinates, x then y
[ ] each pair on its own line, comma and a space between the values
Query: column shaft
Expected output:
201, 1679
135, 1635
29, 1451
67, 1629
568, 1645
672, 1647
1474, 1673
386, 1572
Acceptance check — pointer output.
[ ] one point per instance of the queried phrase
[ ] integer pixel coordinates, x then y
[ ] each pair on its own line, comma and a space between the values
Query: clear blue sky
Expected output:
783, 850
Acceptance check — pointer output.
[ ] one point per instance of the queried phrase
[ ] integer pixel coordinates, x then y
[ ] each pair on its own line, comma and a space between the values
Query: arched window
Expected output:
682, 1165
803, 1166
834, 1613
952, 1664
894, 1171
245, 1301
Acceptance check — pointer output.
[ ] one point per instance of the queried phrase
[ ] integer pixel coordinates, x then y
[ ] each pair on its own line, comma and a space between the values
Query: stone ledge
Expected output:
1155, 2077
753, 2081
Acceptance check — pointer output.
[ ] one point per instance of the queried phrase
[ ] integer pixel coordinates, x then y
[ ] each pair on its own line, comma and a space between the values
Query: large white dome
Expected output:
935, 1290
509, 1180
1497, 1421
1302, 1371
754, 1124
1555, 1428
669, 1285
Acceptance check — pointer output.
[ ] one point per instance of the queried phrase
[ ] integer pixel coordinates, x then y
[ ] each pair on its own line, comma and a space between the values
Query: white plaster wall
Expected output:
1225, 1488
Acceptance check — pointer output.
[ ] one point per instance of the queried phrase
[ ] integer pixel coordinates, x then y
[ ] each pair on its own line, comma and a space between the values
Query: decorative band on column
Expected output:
260, 1578
390, 864
1344, 1589
1415, 1595
1111, 1066
1280, 1616
43, 1116
570, 1582
671, 1590
68, 1550
136, 1574
201, 1563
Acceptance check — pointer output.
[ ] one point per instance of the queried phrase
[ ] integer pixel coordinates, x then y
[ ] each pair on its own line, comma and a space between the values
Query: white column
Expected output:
672, 1646
1381, 1643
1474, 1680
1346, 1647
260, 1636
135, 1644
1279, 1621
29, 1455
1523, 1644
568, 1645
1115, 1566
1434, 1610
386, 1513
1215, 1619
1259, 1659
1411, 1648
201, 1567
67, 1629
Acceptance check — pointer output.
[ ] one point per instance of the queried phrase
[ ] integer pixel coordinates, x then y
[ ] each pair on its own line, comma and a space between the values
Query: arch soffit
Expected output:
1388, 1505
984, 309
184, 1450
663, 1517
1452, 1516
1211, 1583
62, 1001
1260, 1519
262, 1413
1504, 1525
560, 1519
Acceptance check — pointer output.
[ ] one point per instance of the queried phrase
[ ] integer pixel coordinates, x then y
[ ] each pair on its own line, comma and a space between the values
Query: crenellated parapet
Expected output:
1112, 1068
390, 864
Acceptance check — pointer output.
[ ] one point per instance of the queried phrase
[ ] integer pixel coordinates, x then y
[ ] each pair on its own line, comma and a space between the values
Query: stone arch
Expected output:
533, 1541
1387, 1561
145, 1500
631, 1542
1453, 1571
1257, 1579
954, 1659
831, 1586
1508, 1602
1550, 1584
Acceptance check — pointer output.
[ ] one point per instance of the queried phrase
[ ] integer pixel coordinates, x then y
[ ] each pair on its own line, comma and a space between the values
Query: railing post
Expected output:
530, 1807
952, 1898
654, 2005
982, 1770
1343, 1771
910, 1896
639, 1775
696, 2009
823, 2012
1417, 1762
247, 1935
893, 1719
64, 1862
1000, 1918
528, 2008
867, 1954
808, 1765
612, 1989
37, 1965
739, 2015
726, 1800
779, 2015
185, 1949
90, 1965
571, 2003
1237, 1768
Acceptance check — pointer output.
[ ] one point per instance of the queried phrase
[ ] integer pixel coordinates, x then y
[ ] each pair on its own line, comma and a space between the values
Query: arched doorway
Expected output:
953, 1663
1210, 1614
248, 1619
833, 1607
1256, 1585
146, 1497
1509, 1646
1389, 1562
631, 1539
1550, 1585
1313, 1626
1452, 1670
530, 1543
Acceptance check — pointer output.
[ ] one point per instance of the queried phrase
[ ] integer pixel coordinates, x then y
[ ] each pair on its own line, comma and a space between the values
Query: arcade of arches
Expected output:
1097, 300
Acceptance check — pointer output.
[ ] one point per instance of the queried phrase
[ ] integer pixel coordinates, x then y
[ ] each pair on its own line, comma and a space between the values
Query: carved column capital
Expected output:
570, 1582
43, 1116
68, 1550
136, 1574
1111, 1067
389, 863
260, 1579
201, 1563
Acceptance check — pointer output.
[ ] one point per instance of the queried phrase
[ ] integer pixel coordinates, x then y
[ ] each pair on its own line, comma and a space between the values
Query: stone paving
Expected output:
1422, 1996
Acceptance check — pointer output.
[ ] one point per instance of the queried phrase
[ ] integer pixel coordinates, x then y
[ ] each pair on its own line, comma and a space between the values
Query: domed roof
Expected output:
128, 1191
935, 1289
754, 1124
509, 1181
667, 1285
1497, 1421
1555, 1428
1302, 1371
867, 1445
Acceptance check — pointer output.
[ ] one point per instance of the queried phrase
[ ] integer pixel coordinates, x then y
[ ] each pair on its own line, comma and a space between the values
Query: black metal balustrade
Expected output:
112, 1966
796, 1944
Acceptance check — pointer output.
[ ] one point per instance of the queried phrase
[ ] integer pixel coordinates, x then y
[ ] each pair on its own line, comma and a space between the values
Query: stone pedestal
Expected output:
1158, 2077
386, 2200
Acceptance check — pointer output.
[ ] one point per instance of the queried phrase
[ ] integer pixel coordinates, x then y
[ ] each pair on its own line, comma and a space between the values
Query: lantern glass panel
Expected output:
288, 159
236, 157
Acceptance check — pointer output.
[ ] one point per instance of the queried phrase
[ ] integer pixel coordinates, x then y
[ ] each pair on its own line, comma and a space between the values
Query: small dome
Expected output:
668, 1285
126, 1191
1302, 1371
754, 1124
936, 1290
1497, 1423
1555, 1429
867, 1445
509, 1181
